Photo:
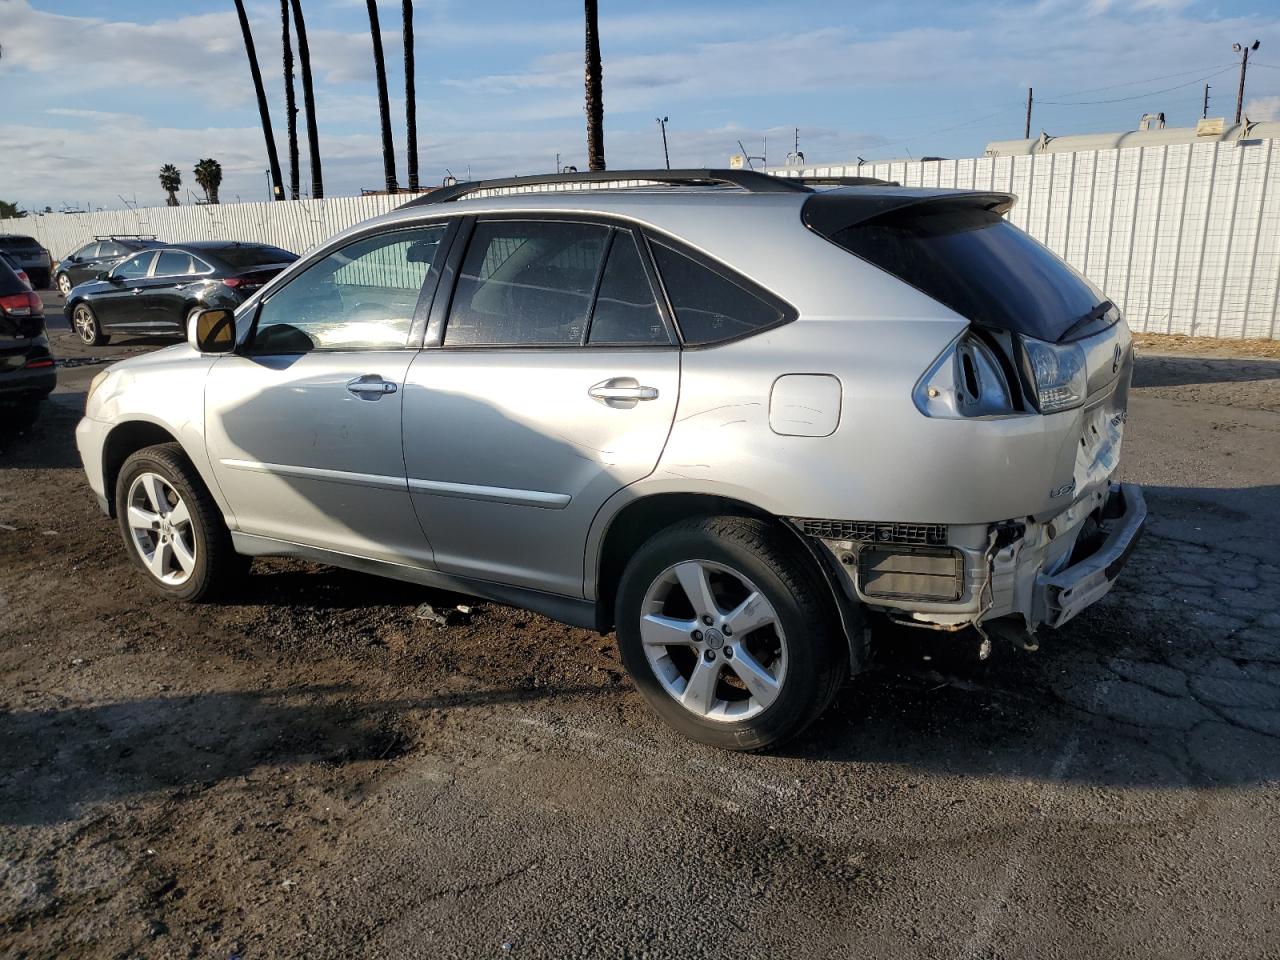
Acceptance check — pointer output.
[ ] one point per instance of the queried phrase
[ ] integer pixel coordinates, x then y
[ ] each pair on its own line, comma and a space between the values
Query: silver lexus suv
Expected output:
725, 414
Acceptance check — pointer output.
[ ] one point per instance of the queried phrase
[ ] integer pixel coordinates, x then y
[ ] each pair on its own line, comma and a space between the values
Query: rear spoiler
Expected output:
828, 213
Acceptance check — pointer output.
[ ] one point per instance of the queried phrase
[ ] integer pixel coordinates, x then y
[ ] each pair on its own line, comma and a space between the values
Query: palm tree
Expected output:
277, 188
170, 182
290, 106
595, 96
384, 109
10, 211
308, 100
209, 176
410, 106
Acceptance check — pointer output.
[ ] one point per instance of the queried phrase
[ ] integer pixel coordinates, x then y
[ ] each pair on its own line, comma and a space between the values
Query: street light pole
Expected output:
1244, 65
662, 122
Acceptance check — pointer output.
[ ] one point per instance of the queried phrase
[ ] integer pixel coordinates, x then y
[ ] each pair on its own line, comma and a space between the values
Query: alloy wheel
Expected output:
714, 641
86, 326
64, 284
160, 529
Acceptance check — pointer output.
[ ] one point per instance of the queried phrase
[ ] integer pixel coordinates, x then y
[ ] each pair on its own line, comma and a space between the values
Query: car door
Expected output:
303, 421
163, 298
552, 386
116, 302
84, 263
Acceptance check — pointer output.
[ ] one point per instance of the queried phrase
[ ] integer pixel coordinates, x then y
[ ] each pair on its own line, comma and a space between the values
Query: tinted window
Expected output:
626, 311
16, 242
199, 266
87, 252
527, 281
252, 255
172, 263
982, 267
363, 297
134, 267
709, 306
109, 248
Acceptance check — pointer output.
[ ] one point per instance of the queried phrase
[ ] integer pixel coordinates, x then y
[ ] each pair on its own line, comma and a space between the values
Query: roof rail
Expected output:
846, 181
126, 236
751, 181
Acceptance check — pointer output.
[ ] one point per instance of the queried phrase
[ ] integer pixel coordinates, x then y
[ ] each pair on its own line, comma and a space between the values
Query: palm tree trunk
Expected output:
277, 188
290, 103
410, 106
384, 108
308, 100
595, 96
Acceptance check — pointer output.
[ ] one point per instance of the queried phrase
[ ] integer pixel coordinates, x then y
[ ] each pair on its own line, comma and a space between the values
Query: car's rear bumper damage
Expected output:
1022, 574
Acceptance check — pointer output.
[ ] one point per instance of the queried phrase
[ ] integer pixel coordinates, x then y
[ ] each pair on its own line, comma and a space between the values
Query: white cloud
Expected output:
1262, 108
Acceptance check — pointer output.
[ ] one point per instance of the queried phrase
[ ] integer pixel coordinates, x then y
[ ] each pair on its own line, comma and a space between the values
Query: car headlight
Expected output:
94, 384
1057, 374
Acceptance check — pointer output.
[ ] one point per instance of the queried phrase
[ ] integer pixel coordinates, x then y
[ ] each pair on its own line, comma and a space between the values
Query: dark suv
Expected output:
27, 373
157, 291
93, 258
29, 255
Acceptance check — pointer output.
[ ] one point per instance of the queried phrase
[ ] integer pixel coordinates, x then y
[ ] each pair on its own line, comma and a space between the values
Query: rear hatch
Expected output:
26, 250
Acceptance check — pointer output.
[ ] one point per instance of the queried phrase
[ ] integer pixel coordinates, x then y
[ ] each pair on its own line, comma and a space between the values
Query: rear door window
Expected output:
526, 282
173, 263
626, 311
711, 307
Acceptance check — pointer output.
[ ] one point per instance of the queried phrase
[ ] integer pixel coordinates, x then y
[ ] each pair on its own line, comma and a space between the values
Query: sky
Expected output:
98, 94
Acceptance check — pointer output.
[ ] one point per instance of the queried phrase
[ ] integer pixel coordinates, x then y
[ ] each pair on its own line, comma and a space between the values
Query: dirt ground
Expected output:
310, 770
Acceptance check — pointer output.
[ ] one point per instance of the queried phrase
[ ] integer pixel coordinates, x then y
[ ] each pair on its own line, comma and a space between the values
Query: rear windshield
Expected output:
241, 257
15, 243
982, 267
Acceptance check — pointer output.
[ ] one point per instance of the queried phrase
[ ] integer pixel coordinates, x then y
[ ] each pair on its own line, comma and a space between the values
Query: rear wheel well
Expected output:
123, 440
641, 519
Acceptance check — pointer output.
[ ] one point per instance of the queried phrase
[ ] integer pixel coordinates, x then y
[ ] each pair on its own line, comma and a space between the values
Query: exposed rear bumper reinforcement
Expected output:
1060, 596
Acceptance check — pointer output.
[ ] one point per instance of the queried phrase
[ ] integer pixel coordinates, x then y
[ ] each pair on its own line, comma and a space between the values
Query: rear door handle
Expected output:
371, 387
621, 392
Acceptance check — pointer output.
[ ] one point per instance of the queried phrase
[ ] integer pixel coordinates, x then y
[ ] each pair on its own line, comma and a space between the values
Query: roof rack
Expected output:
126, 236
846, 181
751, 181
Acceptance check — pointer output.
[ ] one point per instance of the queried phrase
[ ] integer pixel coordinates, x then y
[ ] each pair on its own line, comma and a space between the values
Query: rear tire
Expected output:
172, 528
85, 323
64, 285
752, 661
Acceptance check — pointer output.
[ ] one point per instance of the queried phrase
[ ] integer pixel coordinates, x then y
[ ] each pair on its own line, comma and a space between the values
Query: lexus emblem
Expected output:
1115, 359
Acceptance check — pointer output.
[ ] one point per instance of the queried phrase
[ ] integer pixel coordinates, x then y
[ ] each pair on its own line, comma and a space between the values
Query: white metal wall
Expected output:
1185, 238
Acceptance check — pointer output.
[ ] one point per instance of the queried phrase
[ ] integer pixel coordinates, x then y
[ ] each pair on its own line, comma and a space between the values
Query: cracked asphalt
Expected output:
310, 770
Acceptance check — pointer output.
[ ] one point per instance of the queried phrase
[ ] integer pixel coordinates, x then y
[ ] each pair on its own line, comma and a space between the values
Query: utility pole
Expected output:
662, 122
1026, 133
1204, 112
1244, 65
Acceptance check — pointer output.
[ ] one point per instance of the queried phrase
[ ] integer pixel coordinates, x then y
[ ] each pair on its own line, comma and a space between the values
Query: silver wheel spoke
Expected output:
759, 681
179, 514
751, 614
693, 578
141, 519
159, 559
661, 631
186, 559
153, 487
700, 688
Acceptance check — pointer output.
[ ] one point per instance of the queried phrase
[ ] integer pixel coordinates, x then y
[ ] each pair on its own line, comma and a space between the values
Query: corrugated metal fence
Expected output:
1184, 237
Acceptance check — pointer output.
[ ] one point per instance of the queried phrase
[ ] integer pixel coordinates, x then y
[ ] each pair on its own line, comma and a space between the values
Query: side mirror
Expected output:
213, 331
103, 275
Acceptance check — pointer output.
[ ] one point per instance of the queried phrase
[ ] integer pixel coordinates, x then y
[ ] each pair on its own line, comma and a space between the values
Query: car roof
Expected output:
215, 245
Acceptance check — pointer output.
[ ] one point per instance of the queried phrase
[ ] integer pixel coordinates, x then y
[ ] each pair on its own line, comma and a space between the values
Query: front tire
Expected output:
85, 323
172, 528
64, 285
725, 629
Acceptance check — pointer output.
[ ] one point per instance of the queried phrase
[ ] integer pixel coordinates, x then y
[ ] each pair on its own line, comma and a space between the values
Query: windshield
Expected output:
240, 257
983, 267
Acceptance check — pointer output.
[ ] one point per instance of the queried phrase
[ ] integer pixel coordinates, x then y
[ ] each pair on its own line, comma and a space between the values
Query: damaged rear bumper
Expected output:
1024, 574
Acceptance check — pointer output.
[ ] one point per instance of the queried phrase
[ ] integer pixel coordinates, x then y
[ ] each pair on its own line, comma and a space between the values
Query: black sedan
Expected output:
27, 372
157, 291
97, 256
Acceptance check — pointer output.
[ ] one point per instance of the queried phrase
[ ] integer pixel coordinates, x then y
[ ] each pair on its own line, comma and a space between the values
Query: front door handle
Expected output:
371, 387
621, 392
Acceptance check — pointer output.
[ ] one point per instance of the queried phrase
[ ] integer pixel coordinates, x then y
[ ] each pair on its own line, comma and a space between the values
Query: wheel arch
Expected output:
127, 438
640, 519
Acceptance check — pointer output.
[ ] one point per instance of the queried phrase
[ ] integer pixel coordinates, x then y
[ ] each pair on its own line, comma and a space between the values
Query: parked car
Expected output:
729, 418
97, 256
158, 290
17, 269
27, 370
30, 256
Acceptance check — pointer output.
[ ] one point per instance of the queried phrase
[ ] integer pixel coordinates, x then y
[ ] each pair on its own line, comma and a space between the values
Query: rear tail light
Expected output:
244, 283
1057, 373
37, 364
25, 304
233, 282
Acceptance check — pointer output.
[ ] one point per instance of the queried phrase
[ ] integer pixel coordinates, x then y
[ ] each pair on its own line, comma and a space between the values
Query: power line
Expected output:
1131, 83
1136, 96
